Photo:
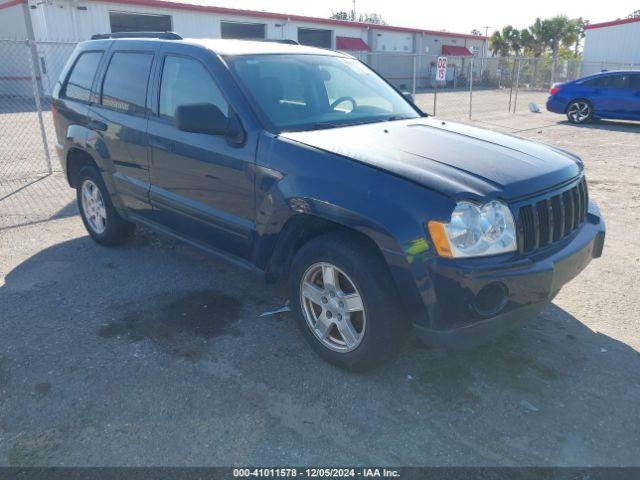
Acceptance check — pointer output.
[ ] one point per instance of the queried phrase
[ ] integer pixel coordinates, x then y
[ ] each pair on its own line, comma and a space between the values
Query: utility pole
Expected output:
353, 12
484, 50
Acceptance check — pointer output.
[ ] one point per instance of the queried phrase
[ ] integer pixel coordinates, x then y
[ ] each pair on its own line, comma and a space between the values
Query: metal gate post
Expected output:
515, 98
513, 74
36, 96
470, 88
415, 61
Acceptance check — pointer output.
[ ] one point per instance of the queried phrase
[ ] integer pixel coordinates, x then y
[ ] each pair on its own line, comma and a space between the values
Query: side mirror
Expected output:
408, 96
205, 118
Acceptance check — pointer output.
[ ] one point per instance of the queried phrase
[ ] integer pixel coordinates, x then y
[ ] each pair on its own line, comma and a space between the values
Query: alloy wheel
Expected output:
93, 207
333, 308
579, 111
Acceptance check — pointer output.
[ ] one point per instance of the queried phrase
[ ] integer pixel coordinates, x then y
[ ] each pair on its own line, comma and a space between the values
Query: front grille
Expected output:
551, 219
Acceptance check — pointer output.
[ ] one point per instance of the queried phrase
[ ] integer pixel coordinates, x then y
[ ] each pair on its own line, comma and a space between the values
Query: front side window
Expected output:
125, 83
301, 92
185, 81
78, 85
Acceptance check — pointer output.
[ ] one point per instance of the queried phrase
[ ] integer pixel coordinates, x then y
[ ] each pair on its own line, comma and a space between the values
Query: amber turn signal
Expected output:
439, 238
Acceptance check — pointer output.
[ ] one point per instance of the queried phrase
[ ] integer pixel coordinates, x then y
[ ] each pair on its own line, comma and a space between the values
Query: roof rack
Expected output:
286, 41
161, 35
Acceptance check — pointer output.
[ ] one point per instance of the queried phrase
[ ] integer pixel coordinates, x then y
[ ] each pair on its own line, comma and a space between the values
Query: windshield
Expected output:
301, 92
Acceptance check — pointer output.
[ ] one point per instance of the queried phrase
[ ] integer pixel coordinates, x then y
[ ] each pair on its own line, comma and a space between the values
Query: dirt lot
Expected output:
153, 354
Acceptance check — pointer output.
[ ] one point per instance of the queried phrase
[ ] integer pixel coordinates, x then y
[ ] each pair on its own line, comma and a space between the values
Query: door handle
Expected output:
162, 144
97, 125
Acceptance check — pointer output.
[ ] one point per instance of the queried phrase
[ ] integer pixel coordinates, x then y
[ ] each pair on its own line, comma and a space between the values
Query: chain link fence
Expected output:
32, 188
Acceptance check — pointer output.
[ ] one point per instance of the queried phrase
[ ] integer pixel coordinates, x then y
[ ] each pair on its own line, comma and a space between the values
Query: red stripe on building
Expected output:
456, 51
282, 16
613, 23
11, 3
351, 44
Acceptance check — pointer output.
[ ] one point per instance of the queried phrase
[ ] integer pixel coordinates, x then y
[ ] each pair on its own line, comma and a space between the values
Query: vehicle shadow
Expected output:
555, 392
611, 125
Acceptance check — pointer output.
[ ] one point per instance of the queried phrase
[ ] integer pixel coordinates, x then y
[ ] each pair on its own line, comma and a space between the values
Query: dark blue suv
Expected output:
614, 95
306, 166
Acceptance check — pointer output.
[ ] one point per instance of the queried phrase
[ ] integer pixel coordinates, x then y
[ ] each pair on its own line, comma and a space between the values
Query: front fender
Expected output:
296, 180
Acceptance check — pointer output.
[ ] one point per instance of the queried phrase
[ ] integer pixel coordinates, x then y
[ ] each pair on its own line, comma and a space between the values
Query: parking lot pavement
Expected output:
153, 354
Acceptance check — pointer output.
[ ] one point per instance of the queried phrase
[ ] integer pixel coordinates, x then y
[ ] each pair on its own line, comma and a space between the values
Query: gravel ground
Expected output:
153, 354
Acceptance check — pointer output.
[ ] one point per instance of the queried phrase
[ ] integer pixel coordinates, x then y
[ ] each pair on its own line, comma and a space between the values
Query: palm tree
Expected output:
574, 34
504, 42
498, 44
556, 32
533, 43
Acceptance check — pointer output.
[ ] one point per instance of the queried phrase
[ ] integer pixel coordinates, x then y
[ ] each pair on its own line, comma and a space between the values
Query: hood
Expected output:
454, 159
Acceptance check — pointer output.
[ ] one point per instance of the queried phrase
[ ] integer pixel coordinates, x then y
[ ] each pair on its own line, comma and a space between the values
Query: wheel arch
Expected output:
76, 160
301, 228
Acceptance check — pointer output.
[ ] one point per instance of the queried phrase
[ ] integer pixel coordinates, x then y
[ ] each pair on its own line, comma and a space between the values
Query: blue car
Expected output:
613, 95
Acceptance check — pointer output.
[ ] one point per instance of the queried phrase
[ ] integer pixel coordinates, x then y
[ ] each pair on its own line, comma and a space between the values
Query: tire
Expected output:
580, 111
379, 327
99, 216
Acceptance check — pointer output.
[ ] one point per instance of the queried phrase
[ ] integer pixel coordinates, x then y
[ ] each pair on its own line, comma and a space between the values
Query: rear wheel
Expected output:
580, 111
345, 301
99, 216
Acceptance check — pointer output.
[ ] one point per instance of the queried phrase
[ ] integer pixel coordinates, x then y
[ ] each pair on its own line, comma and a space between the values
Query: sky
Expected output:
462, 17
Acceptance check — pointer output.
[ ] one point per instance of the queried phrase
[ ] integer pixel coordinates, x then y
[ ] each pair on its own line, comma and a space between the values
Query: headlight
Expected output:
475, 230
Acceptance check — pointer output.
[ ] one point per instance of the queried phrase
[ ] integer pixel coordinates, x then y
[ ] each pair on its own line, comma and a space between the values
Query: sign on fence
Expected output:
441, 73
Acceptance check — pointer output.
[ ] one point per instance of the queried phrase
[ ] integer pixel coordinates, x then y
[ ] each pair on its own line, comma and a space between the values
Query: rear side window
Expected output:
608, 81
78, 85
634, 81
125, 84
185, 81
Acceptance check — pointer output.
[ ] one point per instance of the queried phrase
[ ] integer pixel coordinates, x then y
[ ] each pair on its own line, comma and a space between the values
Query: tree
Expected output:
536, 42
350, 16
634, 14
504, 42
555, 31
498, 44
512, 36
343, 15
574, 35
475, 31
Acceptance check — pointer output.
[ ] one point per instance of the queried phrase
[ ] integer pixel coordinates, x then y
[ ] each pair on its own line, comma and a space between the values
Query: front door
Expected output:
201, 185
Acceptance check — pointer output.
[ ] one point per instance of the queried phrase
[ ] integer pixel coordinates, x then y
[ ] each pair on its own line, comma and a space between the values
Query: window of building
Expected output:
78, 85
185, 81
125, 83
246, 31
138, 22
315, 37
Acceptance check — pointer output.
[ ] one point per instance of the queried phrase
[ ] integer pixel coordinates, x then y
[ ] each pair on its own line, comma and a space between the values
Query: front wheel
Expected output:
346, 302
579, 111
100, 218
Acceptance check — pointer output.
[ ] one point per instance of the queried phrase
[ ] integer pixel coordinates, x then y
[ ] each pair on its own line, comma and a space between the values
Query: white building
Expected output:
612, 45
77, 20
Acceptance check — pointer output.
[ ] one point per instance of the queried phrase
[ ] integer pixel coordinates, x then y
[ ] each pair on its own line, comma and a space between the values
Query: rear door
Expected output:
119, 119
201, 185
72, 96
